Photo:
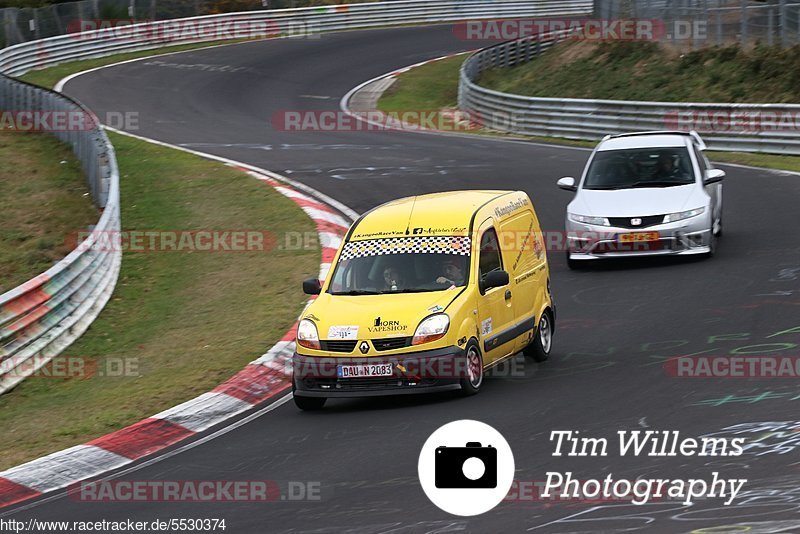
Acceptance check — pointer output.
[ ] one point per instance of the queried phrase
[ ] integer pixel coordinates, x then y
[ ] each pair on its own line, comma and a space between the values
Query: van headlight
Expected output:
587, 219
431, 329
307, 335
681, 215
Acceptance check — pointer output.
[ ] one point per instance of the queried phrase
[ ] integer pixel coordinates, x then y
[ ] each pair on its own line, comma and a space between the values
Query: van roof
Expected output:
448, 213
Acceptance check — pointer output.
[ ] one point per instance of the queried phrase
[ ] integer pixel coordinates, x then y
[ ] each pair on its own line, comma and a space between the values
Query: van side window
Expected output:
490, 253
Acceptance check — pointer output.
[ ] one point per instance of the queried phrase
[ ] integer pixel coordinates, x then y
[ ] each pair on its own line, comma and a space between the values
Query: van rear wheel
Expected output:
473, 377
541, 344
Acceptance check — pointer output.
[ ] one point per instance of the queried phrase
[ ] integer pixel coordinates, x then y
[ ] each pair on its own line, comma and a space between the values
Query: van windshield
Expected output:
401, 265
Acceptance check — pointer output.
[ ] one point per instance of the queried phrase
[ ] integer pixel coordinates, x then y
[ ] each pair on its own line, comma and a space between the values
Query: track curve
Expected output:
617, 323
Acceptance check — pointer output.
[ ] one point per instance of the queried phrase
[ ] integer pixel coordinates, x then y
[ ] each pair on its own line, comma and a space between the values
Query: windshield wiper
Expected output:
354, 292
412, 290
606, 187
663, 183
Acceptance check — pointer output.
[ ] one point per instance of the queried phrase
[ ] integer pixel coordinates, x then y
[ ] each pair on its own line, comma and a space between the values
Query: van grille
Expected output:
338, 345
391, 343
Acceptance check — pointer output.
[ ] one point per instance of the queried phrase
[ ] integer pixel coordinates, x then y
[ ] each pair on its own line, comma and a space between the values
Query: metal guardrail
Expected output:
771, 128
42, 317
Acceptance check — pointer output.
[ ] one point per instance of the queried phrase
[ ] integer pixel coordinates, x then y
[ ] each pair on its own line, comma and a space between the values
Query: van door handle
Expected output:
508, 294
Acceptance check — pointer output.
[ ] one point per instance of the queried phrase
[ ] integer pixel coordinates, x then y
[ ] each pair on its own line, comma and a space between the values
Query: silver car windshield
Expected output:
401, 265
640, 167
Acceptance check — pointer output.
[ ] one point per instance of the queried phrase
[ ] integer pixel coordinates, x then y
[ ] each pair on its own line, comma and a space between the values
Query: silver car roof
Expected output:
650, 140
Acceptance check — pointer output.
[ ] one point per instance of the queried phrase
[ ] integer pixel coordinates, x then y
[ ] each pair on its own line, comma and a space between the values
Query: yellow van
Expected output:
425, 294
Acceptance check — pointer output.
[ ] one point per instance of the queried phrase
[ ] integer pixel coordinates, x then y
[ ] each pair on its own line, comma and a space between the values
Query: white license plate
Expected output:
365, 371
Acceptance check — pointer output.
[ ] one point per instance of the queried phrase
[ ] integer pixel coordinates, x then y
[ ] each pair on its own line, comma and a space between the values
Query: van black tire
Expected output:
309, 403
473, 358
542, 342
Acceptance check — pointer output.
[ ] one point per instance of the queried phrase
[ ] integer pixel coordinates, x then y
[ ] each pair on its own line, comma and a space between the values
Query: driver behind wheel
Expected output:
452, 272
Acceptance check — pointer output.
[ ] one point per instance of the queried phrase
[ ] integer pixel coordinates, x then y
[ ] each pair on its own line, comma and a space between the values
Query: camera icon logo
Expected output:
466, 467
472, 466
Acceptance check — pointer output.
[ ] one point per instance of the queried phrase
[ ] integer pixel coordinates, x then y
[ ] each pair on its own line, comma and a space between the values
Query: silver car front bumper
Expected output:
689, 237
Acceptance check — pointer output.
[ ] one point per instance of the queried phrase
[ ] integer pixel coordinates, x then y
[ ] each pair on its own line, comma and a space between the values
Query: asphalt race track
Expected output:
617, 324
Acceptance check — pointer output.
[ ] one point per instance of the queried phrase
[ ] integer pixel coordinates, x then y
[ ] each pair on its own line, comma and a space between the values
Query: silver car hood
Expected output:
638, 202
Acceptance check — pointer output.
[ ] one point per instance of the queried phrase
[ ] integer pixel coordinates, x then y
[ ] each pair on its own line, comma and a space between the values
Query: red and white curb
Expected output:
262, 379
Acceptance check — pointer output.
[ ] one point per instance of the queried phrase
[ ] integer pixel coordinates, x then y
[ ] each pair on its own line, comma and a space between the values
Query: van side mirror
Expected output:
567, 183
494, 279
312, 286
714, 176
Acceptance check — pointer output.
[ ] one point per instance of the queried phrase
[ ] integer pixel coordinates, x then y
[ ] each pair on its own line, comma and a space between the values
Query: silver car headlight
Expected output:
673, 217
586, 219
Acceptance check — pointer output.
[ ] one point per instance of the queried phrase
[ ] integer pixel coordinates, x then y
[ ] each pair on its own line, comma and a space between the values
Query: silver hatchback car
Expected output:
644, 194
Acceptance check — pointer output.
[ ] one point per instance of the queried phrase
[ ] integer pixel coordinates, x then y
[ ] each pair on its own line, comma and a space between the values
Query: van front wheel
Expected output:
541, 344
309, 403
473, 376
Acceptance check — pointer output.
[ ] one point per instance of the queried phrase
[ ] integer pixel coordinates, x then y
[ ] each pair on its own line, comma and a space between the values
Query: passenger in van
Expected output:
392, 278
453, 273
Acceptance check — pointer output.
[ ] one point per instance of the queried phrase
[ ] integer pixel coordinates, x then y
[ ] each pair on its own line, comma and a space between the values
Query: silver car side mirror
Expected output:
567, 183
714, 176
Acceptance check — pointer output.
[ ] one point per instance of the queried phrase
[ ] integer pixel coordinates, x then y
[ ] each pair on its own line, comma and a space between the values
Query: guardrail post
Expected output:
676, 15
770, 27
783, 23
705, 22
743, 33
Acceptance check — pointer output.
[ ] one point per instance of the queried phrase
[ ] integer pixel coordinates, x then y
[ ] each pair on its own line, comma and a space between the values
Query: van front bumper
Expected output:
426, 371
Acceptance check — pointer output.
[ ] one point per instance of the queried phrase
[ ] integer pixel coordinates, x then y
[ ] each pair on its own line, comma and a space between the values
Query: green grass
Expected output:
768, 161
43, 198
189, 321
646, 71
429, 87
435, 86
